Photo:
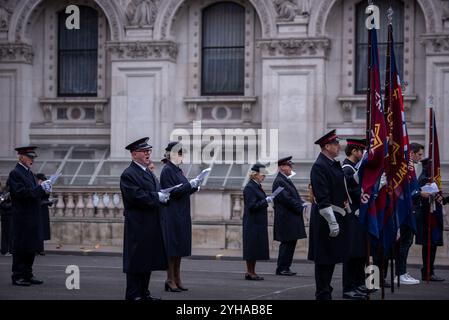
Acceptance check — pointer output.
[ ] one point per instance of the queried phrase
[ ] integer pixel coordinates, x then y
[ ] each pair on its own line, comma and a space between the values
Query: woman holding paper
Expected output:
177, 217
255, 222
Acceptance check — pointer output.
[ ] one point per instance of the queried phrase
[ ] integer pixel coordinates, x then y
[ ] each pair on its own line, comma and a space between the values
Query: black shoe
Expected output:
35, 281
285, 273
354, 295
182, 288
433, 278
253, 277
21, 282
149, 297
365, 290
170, 289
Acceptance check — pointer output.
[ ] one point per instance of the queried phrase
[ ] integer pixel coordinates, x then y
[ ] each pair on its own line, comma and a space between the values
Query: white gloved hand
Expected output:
47, 186
269, 199
195, 183
328, 214
398, 235
383, 181
163, 197
357, 213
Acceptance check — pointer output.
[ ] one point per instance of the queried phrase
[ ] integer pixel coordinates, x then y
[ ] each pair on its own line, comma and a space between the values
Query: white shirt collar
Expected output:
26, 168
143, 167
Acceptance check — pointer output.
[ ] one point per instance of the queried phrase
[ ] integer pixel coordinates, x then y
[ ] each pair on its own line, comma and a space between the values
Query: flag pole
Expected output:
431, 176
368, 128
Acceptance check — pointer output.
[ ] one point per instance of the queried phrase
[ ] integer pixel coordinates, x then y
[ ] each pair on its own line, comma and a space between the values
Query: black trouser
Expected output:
5, 246
433, 251
353, 274
285, 257
323, 278
405, 242
22, 265
137, 285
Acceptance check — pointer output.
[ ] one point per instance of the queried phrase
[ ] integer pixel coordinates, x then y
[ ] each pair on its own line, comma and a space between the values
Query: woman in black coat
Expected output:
255, 222
178, 223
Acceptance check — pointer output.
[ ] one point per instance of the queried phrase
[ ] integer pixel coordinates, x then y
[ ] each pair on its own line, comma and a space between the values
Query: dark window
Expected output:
382, 39
77, 55
223, 49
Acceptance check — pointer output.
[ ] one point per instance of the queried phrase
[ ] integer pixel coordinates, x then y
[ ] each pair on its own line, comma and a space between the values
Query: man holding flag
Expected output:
430, 218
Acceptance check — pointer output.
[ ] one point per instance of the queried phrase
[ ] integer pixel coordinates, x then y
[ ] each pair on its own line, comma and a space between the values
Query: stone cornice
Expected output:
16, 52
436, 44
143, 50
294, 47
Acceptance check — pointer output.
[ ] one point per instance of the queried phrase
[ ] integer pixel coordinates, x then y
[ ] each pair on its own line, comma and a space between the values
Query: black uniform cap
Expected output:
258, 167
27, 151
174, 144
361, 143
285, 161
329, 137
141, 144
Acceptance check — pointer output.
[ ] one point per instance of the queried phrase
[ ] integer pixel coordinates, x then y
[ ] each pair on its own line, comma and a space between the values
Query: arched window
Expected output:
382, 39
223, 46
78, 55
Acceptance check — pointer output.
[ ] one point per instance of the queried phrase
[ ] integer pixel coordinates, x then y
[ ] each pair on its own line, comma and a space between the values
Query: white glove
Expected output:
195, 183
357, 213
163, 197
328, 214
398, 235
46, 185
383, 181
269, 199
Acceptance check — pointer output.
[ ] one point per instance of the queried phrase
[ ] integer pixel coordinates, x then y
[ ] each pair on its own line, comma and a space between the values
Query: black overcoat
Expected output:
288, 211
327, 179
143, 246
26, 197
178, 221
255, 223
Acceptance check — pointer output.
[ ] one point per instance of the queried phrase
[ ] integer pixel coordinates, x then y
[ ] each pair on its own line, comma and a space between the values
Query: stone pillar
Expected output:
437, 84
141, 94
293, 86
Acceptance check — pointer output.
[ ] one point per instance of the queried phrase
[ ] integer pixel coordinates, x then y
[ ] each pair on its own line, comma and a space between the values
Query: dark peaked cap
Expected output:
329, 137
258, 167
285, 161
361, 143
28, 151
141, 144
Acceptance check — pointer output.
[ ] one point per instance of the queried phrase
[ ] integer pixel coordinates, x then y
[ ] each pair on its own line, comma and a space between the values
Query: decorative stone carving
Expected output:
157, 50
445, 10
142, 12
5, 14
436, 44
289, 9
294, 47
17, 52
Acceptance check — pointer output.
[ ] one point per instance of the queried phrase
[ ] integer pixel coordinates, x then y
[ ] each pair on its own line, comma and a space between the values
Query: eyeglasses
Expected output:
145, 151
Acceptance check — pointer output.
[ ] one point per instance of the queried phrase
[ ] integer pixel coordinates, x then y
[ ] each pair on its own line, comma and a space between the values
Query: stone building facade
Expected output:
148, 67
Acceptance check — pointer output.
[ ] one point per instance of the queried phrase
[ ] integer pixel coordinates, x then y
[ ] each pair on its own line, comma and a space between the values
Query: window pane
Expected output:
382, 39
223, 49
77, 55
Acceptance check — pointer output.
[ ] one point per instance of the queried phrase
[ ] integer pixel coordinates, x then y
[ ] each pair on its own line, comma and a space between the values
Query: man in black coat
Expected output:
143, 248
288, 218
354, 268
26, 197
328, 243
422, 219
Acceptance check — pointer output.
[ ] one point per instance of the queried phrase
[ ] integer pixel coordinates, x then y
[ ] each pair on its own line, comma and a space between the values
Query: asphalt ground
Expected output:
101, 278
